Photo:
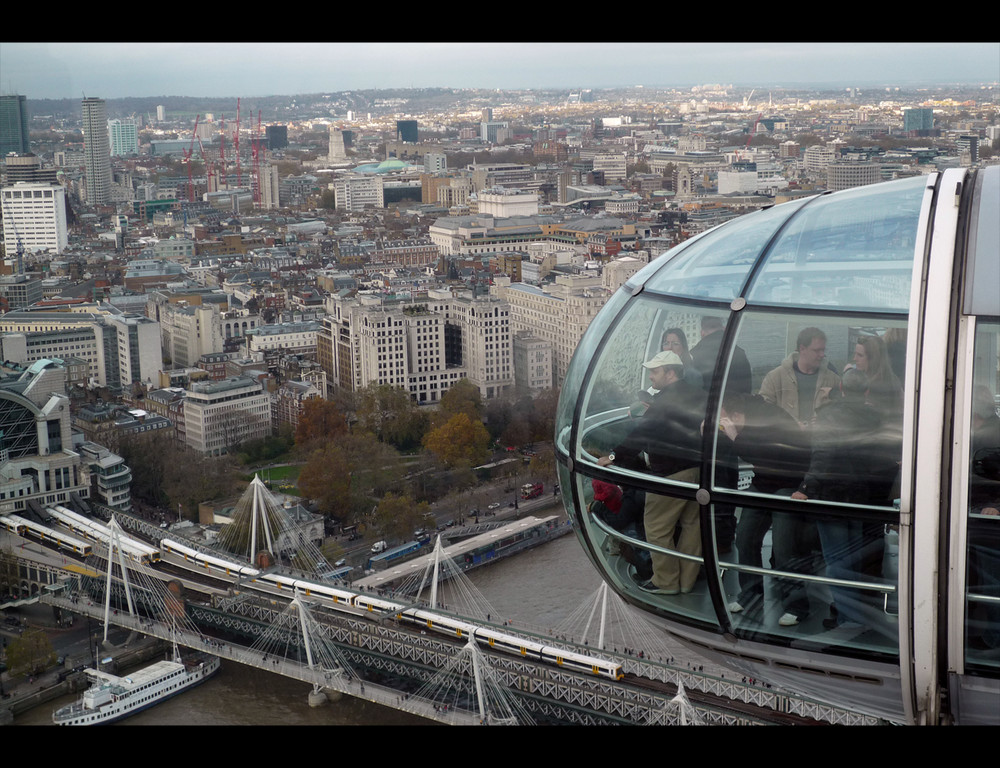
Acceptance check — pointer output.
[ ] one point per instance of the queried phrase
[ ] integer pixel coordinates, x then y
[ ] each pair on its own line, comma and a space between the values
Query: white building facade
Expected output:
34, 217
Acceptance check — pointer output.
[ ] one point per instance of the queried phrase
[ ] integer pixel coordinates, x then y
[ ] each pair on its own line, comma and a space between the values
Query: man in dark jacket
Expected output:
846, 450
706, 352
666, 441
769, 439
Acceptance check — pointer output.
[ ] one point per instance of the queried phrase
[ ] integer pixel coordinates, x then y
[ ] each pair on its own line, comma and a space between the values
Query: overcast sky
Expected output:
115, 70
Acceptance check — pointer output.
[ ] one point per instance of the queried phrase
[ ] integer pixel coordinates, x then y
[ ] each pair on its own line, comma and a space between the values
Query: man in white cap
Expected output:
669, 434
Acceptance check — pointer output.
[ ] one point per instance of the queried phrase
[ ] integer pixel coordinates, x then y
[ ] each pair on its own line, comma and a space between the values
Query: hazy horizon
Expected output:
146, 70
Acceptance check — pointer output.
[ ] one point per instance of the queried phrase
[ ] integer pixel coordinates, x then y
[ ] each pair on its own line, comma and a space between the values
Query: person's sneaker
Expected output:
735, 607
788, 620
649, 586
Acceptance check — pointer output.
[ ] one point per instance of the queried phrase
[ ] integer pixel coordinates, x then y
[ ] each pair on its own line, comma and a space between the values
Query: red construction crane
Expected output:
236, 142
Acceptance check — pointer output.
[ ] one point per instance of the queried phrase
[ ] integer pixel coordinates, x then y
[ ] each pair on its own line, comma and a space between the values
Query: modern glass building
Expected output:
13, 125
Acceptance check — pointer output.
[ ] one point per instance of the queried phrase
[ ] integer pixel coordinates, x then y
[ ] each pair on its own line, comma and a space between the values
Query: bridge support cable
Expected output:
680, 711
619, 629
449, 588
468, 683
296, 636
115, 548
261, 523
124, 582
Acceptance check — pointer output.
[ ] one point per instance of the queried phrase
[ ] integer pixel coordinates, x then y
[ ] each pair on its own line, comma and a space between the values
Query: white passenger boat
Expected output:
111, 698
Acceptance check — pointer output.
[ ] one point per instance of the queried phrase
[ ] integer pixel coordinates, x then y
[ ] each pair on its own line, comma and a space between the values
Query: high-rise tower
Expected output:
13, 125
96, 151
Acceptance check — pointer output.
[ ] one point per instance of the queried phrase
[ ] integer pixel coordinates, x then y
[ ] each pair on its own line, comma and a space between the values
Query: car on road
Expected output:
494, 505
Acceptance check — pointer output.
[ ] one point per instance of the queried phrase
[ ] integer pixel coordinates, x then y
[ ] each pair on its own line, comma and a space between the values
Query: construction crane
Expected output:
753, 132
236, 142
209, 171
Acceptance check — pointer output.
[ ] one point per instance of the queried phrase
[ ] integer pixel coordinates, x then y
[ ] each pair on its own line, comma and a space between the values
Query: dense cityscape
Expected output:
371, 297
371, 250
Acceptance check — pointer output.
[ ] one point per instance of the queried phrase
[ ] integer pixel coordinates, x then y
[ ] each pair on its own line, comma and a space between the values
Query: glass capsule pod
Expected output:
780, 439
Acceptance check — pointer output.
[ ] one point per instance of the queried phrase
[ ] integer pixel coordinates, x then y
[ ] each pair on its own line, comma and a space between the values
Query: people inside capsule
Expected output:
845, 449
675, 340
621, 508
767, 437
706, 352
799, 386
803, 382
666, 441
885, 392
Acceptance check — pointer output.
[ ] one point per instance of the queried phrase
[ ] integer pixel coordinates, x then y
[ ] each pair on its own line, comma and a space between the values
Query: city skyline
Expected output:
121, 70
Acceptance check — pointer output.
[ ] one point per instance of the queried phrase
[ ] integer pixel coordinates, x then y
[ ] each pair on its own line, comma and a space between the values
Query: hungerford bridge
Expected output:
375, 657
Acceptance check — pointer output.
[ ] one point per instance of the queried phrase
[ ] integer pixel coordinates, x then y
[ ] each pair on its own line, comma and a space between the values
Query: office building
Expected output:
219, 415
34, 217
277, 136
919, 120
338, 149
96, 152
13, 125
846, 175
354, 192
558, 313
118, 350
123, 137
494, 132
406, 130
29, 168
423, 348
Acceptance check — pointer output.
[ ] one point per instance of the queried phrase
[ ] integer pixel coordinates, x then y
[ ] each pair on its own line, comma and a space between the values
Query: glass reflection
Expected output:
852, 250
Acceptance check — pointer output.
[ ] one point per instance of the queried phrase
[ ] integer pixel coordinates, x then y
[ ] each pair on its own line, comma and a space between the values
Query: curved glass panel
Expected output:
823, 427
642, 402
852, 250
983, 575
578, 366
983, 266
627, 530
716, 266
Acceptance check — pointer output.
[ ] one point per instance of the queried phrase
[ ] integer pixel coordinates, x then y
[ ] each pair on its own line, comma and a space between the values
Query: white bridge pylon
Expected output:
467, 683
114, 548
296, 634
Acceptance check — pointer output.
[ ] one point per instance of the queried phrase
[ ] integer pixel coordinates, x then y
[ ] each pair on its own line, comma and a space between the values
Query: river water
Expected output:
540, 588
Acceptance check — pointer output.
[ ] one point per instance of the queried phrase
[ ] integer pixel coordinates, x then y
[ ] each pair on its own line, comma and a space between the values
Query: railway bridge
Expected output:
392, 665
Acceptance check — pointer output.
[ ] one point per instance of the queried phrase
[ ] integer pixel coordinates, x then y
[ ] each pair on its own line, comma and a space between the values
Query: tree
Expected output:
30, 653
346, 477
320, 420
462, 397
396, 517
326, 479
388, 413
459, 442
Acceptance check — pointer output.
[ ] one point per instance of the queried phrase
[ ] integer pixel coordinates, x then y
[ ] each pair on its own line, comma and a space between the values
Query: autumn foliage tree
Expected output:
319, 421
459, 441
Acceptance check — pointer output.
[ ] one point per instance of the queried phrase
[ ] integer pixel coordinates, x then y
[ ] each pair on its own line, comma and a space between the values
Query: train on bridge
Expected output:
340, 599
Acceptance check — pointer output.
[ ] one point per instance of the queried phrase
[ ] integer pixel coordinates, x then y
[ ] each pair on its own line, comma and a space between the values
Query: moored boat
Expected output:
110, 697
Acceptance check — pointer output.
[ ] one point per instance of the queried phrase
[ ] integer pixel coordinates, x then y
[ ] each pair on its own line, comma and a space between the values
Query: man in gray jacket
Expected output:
803, 382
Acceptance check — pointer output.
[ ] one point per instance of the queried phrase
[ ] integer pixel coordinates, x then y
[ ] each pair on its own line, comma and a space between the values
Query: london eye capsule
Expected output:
799, 409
